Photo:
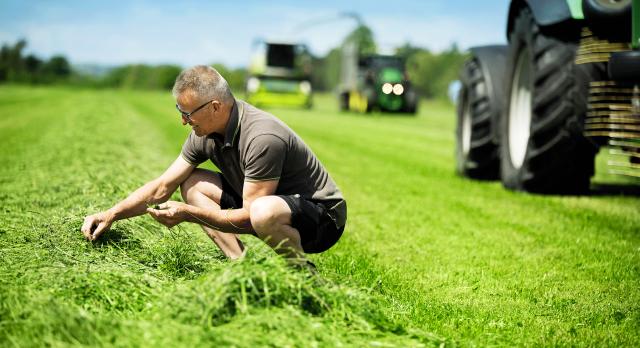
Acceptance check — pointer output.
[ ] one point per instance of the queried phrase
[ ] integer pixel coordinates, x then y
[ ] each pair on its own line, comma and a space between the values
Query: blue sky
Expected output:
197, 32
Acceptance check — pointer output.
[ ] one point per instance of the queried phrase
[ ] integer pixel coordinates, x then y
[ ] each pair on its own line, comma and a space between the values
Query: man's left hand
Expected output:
169, 213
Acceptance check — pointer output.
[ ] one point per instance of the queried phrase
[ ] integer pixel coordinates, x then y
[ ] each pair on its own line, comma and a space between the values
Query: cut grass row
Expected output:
427, 257
79, 152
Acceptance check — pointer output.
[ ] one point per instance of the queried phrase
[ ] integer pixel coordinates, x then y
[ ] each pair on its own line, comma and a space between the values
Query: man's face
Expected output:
203, 115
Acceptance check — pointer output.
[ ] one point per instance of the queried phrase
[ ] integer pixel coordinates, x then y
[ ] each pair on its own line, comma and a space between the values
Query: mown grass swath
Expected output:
427, 257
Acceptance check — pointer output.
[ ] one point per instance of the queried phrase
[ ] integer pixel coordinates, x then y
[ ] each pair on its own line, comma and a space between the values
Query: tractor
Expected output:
375, 82
535, 112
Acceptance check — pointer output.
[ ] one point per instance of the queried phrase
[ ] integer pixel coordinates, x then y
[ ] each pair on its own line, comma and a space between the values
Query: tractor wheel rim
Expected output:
466, 125
520, 110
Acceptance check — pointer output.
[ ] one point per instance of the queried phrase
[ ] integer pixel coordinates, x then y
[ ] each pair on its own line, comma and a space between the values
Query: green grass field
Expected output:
427, 259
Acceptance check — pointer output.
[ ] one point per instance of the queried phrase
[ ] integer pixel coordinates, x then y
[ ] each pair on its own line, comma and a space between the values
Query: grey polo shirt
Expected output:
257, 146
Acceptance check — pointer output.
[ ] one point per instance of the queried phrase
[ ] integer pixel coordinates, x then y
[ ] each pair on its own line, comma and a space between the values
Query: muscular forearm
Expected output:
232, 220
136, 203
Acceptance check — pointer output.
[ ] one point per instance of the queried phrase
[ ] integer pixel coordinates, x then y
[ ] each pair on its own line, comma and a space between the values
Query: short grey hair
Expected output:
205, 82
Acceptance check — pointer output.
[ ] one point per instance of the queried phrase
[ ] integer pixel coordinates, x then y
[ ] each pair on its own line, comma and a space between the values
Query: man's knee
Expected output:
268, 212
195, 183
187, 186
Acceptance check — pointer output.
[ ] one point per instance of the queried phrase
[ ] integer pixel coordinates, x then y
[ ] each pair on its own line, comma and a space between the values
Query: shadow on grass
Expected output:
383, 114
116, 237
615, 190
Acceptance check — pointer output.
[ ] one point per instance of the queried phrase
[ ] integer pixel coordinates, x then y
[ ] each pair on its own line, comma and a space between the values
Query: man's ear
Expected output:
216, 105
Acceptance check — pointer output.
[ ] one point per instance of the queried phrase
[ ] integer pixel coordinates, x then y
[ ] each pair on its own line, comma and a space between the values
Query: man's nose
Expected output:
184, 120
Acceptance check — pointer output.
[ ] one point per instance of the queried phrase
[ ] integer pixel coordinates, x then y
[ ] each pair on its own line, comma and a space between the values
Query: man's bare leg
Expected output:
271, 220
204, 189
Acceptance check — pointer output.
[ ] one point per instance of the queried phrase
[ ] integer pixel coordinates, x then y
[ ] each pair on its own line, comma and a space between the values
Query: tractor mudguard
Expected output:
545, 12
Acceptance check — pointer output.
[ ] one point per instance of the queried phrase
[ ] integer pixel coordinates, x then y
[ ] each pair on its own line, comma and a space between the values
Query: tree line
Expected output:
430, 72
17, 67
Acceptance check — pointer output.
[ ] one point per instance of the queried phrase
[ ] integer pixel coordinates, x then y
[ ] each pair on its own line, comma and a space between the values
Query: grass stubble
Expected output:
427, 259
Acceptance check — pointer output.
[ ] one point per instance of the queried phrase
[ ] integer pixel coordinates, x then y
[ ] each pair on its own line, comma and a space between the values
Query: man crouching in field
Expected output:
271, 186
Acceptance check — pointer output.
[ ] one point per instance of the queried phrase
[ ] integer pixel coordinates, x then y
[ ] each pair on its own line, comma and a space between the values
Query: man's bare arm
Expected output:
232, 220
155, 191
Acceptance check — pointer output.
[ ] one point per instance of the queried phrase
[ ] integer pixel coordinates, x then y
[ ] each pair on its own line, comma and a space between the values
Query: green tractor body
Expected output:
375, 82
280, 75
535, 112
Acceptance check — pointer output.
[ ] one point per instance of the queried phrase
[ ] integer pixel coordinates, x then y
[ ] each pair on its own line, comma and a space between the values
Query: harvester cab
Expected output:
280, 74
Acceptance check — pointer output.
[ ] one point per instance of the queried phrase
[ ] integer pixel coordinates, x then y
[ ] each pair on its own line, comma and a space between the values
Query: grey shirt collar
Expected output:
233, 126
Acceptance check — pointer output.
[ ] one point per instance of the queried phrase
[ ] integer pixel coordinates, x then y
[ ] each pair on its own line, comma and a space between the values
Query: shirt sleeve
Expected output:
265, 158
193, 149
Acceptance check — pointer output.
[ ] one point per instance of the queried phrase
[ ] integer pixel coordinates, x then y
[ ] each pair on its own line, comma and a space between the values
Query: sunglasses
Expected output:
187, 115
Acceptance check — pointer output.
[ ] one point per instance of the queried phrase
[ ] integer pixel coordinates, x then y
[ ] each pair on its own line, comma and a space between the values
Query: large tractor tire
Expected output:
479, 104
543, 149
410, 102
369, 100
610, 19
344, 101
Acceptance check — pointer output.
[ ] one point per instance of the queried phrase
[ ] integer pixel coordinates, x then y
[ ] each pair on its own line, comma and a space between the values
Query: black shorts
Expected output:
316, 222
229, 199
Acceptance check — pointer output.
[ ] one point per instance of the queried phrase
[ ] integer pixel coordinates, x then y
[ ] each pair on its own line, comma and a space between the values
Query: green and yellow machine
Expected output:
375, 82
279, 75
535, 112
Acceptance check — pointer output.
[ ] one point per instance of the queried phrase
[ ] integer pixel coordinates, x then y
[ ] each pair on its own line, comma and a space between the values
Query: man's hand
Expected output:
169, 213
96, 224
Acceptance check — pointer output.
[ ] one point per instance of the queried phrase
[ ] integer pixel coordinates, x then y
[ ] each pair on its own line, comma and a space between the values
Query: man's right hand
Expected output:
158, 190
96, 224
